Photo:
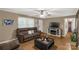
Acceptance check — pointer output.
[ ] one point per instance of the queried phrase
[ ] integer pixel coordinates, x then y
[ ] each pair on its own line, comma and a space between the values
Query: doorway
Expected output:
69, 26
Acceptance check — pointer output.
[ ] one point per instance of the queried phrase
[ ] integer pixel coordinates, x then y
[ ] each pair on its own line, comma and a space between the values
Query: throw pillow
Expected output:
29, 32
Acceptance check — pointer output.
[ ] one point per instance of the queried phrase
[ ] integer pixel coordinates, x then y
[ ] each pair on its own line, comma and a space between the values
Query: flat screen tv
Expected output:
54, 25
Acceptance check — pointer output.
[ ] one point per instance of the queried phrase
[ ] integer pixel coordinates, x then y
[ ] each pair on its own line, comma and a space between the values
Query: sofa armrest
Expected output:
20, 38
20, 34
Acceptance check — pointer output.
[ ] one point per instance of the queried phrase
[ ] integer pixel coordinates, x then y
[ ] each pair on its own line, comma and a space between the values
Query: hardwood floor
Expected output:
60, 44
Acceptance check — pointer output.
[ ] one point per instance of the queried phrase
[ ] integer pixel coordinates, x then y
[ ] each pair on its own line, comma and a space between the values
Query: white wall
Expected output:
8, 32
73, 24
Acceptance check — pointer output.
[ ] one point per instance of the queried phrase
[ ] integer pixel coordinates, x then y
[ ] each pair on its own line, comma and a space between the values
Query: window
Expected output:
25, 22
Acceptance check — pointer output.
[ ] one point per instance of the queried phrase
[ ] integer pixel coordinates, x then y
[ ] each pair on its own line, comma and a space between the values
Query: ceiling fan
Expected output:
43, 13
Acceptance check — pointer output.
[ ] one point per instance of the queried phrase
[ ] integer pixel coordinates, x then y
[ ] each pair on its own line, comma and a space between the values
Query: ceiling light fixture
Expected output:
42, 13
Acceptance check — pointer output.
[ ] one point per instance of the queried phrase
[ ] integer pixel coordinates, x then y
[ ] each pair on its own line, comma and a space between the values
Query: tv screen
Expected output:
54, 24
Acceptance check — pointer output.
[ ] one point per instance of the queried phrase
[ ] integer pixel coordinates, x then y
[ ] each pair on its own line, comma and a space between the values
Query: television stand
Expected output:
54, 31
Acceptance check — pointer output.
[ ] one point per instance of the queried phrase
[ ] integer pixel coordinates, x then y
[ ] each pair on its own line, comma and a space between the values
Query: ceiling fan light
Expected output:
42, 16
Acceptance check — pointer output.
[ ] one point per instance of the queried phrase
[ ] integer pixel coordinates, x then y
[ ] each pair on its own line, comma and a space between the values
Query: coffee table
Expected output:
43, 44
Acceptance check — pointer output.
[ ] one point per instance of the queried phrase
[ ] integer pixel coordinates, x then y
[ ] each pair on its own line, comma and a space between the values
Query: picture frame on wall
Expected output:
8, 22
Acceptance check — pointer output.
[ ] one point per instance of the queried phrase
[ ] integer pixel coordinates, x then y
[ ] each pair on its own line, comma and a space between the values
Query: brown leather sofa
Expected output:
25, 34
9, 44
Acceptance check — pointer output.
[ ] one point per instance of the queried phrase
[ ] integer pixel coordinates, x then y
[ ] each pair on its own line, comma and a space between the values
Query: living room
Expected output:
53, 24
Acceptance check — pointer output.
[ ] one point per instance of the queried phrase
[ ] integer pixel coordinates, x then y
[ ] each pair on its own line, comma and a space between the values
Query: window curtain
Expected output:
36, 23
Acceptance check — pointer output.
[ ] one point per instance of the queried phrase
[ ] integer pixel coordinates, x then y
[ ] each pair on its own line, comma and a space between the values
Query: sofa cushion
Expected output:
27, 36
32, 31
35, 34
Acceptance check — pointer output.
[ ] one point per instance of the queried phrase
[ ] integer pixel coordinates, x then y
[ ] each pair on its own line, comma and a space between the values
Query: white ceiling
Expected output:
34, 12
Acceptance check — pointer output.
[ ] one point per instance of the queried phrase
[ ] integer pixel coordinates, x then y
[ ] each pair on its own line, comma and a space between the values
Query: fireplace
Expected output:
54, 28
53, 32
